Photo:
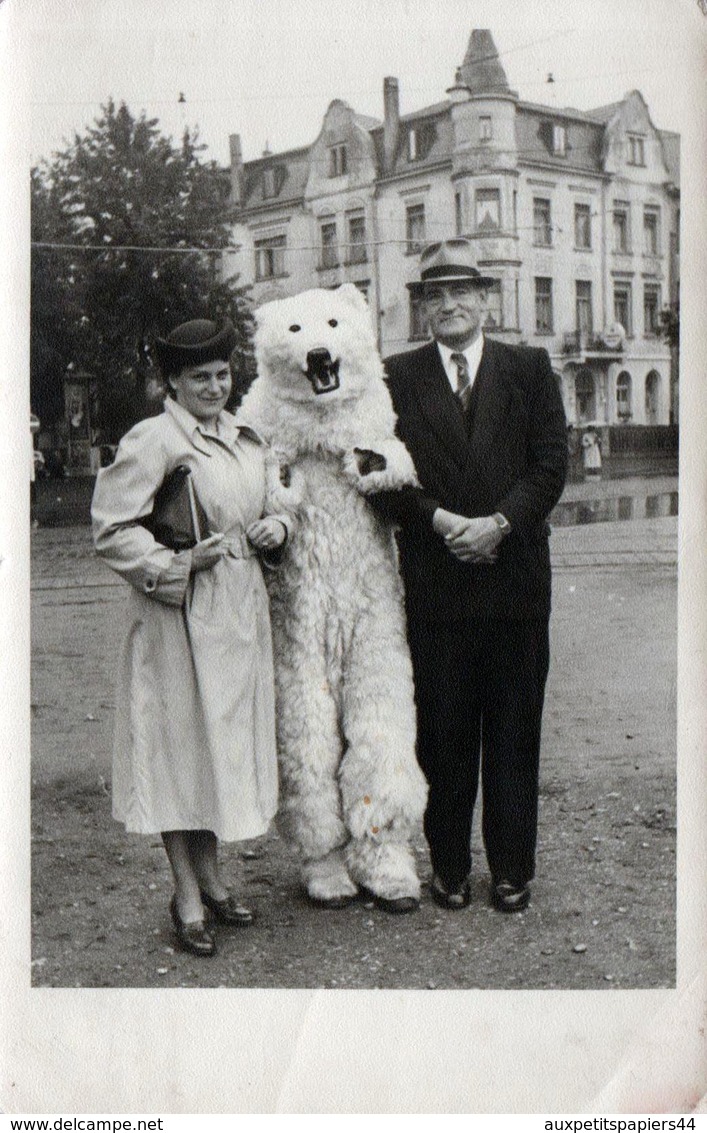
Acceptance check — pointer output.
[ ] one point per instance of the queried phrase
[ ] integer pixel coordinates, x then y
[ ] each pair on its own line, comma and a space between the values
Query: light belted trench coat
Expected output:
195, 722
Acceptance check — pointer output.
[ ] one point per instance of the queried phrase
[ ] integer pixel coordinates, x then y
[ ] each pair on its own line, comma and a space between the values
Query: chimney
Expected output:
391, 121
237, 179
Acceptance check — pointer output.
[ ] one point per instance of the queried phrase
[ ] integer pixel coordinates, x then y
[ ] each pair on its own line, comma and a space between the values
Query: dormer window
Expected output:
485, 129
338, 164
269, 183
559, 140
420, 141
636, 149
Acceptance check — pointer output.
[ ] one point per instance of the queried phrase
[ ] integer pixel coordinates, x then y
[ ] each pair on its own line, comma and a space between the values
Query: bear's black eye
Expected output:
333, 322
295, 327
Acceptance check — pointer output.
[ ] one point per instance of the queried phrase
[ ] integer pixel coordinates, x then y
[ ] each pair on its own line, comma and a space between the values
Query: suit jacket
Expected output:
510, 457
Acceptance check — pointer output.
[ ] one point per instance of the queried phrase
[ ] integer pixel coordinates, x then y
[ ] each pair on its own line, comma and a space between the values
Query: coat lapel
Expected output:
496, 409
439, 405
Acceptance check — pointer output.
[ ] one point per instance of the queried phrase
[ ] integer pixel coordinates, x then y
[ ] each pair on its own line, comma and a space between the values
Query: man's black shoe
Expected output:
508, 897
449, 899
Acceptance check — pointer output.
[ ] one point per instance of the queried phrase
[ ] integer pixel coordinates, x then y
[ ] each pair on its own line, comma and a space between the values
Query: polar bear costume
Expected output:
351, 787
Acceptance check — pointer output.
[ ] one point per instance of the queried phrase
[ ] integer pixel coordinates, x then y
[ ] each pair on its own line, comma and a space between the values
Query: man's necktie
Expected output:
463, 379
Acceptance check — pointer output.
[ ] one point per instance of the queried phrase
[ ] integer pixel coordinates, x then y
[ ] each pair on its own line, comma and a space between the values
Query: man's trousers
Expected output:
479, 689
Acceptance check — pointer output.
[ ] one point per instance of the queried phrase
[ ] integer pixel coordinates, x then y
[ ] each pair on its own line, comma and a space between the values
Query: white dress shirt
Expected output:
472, 355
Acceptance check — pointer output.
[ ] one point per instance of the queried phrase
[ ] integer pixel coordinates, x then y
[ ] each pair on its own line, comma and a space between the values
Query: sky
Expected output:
267, 69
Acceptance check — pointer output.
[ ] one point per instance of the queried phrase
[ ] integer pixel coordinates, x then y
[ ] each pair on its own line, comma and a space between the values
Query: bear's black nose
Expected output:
322, 370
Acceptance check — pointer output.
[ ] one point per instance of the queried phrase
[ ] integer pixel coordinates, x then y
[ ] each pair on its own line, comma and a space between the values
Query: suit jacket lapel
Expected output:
494, 394
494, 409
439, 405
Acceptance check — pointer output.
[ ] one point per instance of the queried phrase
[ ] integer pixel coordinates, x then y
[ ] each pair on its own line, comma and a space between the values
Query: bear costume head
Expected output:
317, 347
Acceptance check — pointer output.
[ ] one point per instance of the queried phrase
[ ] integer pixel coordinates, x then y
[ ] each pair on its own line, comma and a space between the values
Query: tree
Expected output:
121, 192
670, 320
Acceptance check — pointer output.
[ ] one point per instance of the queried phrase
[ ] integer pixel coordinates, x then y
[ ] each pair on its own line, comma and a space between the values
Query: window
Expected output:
488, 209
357, 252
415, 227
585, 395
621, 227
622, 306
559, 140
651, 309
337, 161
418, 321
543, 305
485, 129
270, 257
458, 218
585, 324
269, 183
582, 226
650, 232
494, 305
623, 395
330, 251
541, 221
636, 150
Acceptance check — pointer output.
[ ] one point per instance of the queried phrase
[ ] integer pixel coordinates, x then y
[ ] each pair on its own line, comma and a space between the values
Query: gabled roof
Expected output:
604, 113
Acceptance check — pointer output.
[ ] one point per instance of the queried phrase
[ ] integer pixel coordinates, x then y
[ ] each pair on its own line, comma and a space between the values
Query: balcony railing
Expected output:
581, 342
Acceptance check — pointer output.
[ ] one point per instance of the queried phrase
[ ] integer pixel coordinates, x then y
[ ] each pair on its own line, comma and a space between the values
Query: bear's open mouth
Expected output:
322, 370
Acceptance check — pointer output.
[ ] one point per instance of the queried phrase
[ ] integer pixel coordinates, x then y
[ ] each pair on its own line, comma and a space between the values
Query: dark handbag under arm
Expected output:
177, 520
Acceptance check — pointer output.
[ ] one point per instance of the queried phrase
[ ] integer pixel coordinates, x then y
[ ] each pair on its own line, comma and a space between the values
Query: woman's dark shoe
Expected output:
450, 899
508, 897
228, 911
193, 936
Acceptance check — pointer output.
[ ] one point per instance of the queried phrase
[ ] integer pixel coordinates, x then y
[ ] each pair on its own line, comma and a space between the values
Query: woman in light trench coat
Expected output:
194, 754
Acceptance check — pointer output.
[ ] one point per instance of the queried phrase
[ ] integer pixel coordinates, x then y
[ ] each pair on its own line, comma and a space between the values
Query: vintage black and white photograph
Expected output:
357, 402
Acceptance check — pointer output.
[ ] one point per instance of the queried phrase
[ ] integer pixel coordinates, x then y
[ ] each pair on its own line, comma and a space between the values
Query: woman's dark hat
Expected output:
190, 344
449, 261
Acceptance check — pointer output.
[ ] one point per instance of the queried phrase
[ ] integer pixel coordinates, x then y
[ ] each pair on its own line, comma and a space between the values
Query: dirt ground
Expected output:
603, 909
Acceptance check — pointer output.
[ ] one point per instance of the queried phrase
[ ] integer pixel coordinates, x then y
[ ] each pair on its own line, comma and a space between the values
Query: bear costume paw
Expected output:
379, 466
327, 880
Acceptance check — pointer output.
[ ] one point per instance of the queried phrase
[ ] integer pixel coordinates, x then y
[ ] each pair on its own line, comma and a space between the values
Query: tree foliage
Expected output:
120, 190
670, 324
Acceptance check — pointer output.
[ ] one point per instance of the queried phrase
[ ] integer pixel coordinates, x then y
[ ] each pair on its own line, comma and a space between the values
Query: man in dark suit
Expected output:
485, 426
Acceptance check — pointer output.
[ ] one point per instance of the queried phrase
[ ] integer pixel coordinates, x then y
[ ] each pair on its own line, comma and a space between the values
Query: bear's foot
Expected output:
386, 870
327, 881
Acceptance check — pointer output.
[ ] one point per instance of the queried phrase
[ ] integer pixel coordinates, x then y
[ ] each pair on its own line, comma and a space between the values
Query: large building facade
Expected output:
574, 214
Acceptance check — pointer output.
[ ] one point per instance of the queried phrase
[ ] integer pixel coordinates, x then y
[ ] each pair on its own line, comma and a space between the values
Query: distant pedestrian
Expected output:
36, 461
591, 455
194, 755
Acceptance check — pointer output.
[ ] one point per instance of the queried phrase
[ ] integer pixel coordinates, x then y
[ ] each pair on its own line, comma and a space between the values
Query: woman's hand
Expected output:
207, 553
266, 534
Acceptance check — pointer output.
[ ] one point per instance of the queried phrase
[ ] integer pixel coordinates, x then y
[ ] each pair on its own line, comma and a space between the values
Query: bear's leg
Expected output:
309, 746
386, 868
383, 789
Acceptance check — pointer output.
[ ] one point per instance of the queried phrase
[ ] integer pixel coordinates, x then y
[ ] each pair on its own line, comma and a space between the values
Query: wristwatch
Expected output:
501, 522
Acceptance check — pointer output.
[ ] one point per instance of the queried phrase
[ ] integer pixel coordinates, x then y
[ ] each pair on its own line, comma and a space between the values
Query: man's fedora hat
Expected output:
190, 344
449, 261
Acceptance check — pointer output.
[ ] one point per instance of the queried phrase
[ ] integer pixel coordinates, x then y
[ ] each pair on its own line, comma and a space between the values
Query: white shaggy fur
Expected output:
351, 787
